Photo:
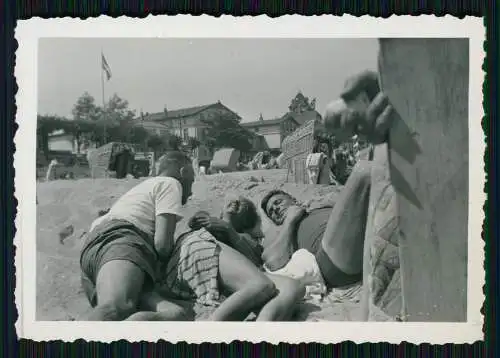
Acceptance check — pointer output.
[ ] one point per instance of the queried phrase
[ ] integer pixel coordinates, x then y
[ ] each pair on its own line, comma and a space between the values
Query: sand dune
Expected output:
69, 206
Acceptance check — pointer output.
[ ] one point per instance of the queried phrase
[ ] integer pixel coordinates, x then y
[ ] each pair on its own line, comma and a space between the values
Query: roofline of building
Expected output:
201, 109
60, 135
268, 122
150, 122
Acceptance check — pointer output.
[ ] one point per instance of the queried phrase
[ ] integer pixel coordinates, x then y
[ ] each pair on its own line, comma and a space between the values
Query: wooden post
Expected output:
427, 82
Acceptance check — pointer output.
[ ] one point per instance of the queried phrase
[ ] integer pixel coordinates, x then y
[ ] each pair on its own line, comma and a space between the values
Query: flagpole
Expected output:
102, 85
103, 97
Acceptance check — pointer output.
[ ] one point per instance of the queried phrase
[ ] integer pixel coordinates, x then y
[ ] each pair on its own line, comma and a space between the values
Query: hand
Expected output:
378, 117
356, 114
194, 222
294, 213
210, 223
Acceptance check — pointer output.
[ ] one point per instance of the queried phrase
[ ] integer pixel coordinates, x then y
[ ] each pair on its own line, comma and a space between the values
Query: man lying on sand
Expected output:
334, 235
215, 258
130, 260
120, 254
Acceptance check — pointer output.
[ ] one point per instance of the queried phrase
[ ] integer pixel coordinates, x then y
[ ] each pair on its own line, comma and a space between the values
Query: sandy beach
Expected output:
67, 207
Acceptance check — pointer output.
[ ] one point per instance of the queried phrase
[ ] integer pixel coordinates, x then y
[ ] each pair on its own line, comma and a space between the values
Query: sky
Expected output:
249, 76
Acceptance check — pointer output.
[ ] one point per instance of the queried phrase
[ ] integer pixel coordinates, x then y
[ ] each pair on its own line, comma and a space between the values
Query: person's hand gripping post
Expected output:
361, 109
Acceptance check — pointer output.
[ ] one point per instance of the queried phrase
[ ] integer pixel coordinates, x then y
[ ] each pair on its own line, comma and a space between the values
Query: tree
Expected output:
156, 143
79, 128
114, 124
117, 109
85, 108
46, 125
172, 142
109, 121
137, 134
164, 142
224, 131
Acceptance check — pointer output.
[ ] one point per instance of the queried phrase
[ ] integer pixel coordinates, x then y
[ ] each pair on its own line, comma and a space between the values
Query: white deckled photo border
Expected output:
28, 33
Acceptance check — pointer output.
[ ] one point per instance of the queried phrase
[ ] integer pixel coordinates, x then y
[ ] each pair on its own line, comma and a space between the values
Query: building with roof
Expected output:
272, 130
153, 127
275, 130
62, 141
186, 122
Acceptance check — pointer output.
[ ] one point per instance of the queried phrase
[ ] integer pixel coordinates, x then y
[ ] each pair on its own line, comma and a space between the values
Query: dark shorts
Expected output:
333, 276
115, 240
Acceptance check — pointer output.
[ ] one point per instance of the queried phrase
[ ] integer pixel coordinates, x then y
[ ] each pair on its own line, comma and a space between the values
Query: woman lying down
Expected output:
222, 257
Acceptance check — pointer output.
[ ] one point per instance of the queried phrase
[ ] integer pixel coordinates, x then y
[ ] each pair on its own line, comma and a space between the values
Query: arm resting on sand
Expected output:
164, 234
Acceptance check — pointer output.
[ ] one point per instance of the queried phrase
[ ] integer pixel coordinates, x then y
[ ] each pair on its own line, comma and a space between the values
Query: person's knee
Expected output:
172, 314
181, 314
118, 309
265, 288
177, 313
268, 287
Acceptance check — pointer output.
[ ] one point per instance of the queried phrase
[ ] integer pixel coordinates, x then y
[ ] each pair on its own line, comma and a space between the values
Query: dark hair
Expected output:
242, 213
263, 203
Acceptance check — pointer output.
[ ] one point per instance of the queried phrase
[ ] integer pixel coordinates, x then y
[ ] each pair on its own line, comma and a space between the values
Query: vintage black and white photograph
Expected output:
199, 179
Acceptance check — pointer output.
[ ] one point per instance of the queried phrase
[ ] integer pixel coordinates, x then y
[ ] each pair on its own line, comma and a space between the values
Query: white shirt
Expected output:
141, 204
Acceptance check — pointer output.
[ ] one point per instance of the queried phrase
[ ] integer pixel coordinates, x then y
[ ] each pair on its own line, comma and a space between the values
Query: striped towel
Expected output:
192, 271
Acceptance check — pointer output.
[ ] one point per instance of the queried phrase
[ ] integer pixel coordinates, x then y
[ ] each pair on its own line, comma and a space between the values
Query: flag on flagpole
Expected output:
105, 67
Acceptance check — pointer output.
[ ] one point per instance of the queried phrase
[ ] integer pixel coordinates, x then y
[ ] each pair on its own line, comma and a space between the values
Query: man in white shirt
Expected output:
121, 251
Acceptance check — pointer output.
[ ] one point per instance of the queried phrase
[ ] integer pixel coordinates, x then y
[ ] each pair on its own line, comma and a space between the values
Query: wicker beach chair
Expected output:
101, 159
296, 147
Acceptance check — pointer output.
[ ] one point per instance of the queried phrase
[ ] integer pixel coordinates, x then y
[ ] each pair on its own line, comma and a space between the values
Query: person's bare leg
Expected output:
118, 285
344, 236
156, 308
281, 307
164, 316
250, 287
